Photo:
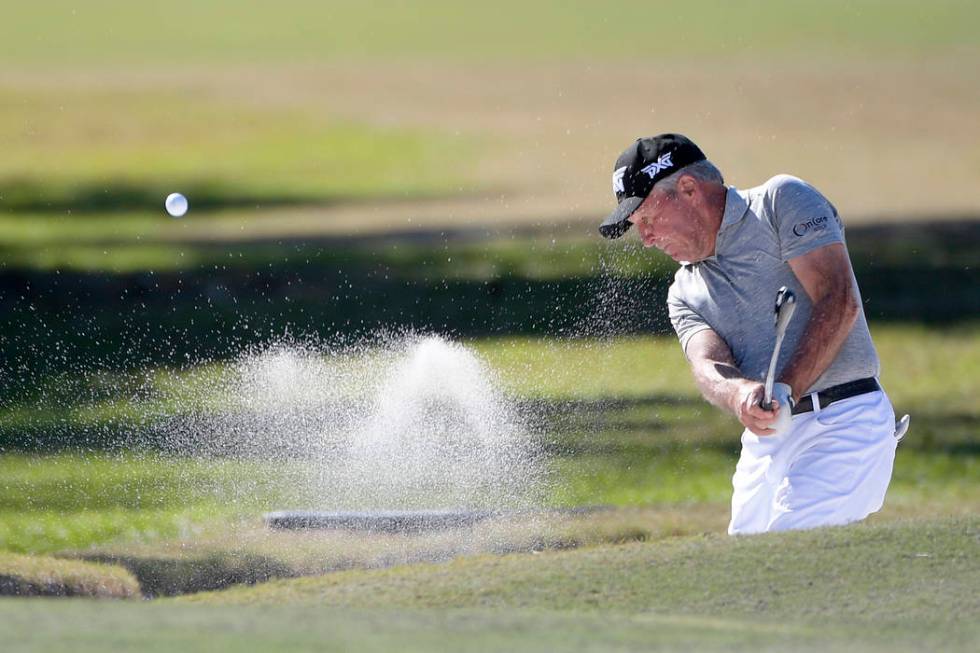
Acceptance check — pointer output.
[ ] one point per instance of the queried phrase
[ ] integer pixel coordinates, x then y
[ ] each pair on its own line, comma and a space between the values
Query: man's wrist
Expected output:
740, 386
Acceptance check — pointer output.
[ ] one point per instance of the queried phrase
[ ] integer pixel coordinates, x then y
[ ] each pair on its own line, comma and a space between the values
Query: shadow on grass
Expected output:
636, 428
74, 323
61, 319
161, 576
56, 325
54, 580
116, 197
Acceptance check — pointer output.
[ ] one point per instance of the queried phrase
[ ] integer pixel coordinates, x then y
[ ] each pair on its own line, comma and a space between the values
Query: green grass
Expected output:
88, 161
38, 576
247, 551
920, 366
299, 30
899, 571
72, 501
929, 372
625, 425
85, 626
219, 152
117, 243
82, 185
910, 582
79, 186
107, 107
627, 429
902, 586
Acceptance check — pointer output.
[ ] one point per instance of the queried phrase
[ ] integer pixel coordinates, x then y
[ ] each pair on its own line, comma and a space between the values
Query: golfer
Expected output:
736, 248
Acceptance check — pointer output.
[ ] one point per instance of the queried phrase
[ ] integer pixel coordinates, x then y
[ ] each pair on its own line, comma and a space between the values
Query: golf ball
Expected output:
176, 204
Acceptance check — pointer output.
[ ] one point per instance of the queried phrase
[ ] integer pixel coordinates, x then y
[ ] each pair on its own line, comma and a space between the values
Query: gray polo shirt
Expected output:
734, 291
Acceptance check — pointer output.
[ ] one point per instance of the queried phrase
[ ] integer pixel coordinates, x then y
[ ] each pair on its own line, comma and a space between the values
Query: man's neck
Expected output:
716, 196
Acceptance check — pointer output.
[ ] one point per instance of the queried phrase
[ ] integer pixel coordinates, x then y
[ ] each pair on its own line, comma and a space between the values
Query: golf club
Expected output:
785, 306
902, 427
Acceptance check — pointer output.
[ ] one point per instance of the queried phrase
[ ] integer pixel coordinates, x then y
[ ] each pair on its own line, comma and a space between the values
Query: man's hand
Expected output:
723, 385
747, 407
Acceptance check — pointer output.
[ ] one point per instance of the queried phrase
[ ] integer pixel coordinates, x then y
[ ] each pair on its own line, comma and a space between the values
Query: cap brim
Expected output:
618, 222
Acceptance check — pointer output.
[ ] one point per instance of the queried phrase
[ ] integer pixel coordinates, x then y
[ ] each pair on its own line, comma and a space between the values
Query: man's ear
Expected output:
687, 185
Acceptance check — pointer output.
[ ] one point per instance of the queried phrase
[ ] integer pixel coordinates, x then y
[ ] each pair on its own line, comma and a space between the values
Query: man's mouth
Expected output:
652, 242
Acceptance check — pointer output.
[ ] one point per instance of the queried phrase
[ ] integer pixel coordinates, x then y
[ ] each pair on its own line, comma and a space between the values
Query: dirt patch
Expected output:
253, 553
170, 576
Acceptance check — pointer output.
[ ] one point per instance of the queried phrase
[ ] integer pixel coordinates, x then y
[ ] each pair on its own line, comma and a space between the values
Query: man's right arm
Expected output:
722, 383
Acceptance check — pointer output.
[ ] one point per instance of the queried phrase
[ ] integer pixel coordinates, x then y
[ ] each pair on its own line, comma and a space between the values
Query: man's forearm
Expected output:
714, 369
830, 323
720, 383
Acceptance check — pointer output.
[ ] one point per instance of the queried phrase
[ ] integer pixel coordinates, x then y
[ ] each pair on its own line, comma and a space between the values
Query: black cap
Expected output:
642, 165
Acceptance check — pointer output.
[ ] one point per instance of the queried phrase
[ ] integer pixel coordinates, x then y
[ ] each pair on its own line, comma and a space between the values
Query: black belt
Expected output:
836, 393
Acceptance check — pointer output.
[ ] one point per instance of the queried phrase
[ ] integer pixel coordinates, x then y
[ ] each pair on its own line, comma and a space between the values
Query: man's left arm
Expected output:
825, 273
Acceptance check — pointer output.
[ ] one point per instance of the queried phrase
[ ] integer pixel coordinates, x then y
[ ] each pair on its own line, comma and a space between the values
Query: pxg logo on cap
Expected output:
642, 165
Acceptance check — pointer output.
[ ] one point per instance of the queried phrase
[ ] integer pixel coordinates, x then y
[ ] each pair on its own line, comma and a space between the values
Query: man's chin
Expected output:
676, 257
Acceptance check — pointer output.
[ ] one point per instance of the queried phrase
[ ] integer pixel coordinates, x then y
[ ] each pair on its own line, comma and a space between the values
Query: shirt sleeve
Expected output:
685, 320
802, 217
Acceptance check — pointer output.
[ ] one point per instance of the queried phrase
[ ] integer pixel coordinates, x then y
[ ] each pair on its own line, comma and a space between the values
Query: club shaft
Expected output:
785, 307
771, 374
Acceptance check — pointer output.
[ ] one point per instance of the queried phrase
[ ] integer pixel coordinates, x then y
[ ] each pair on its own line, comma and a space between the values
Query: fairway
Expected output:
865, 588
306, 124
90, 627
902, 571
620, 418
101, 31
389, 294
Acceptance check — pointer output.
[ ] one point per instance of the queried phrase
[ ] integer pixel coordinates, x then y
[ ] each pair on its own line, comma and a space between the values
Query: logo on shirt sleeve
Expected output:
811, 225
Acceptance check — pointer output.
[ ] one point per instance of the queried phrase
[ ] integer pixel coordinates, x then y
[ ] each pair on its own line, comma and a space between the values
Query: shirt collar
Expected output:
735, 208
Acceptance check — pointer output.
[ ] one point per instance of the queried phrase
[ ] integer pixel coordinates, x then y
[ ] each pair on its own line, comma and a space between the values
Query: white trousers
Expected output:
832, 467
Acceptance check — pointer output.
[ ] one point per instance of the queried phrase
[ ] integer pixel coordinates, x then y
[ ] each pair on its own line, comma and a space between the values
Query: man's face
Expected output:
669, 222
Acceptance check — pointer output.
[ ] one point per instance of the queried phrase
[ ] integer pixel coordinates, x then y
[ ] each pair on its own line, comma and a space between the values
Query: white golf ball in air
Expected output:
176, 204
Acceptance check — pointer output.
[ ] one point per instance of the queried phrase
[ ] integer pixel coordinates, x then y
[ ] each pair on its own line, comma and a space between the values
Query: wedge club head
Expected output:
785, 306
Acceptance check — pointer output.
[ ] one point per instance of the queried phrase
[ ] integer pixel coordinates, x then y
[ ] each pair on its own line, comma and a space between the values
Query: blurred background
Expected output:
363, 167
